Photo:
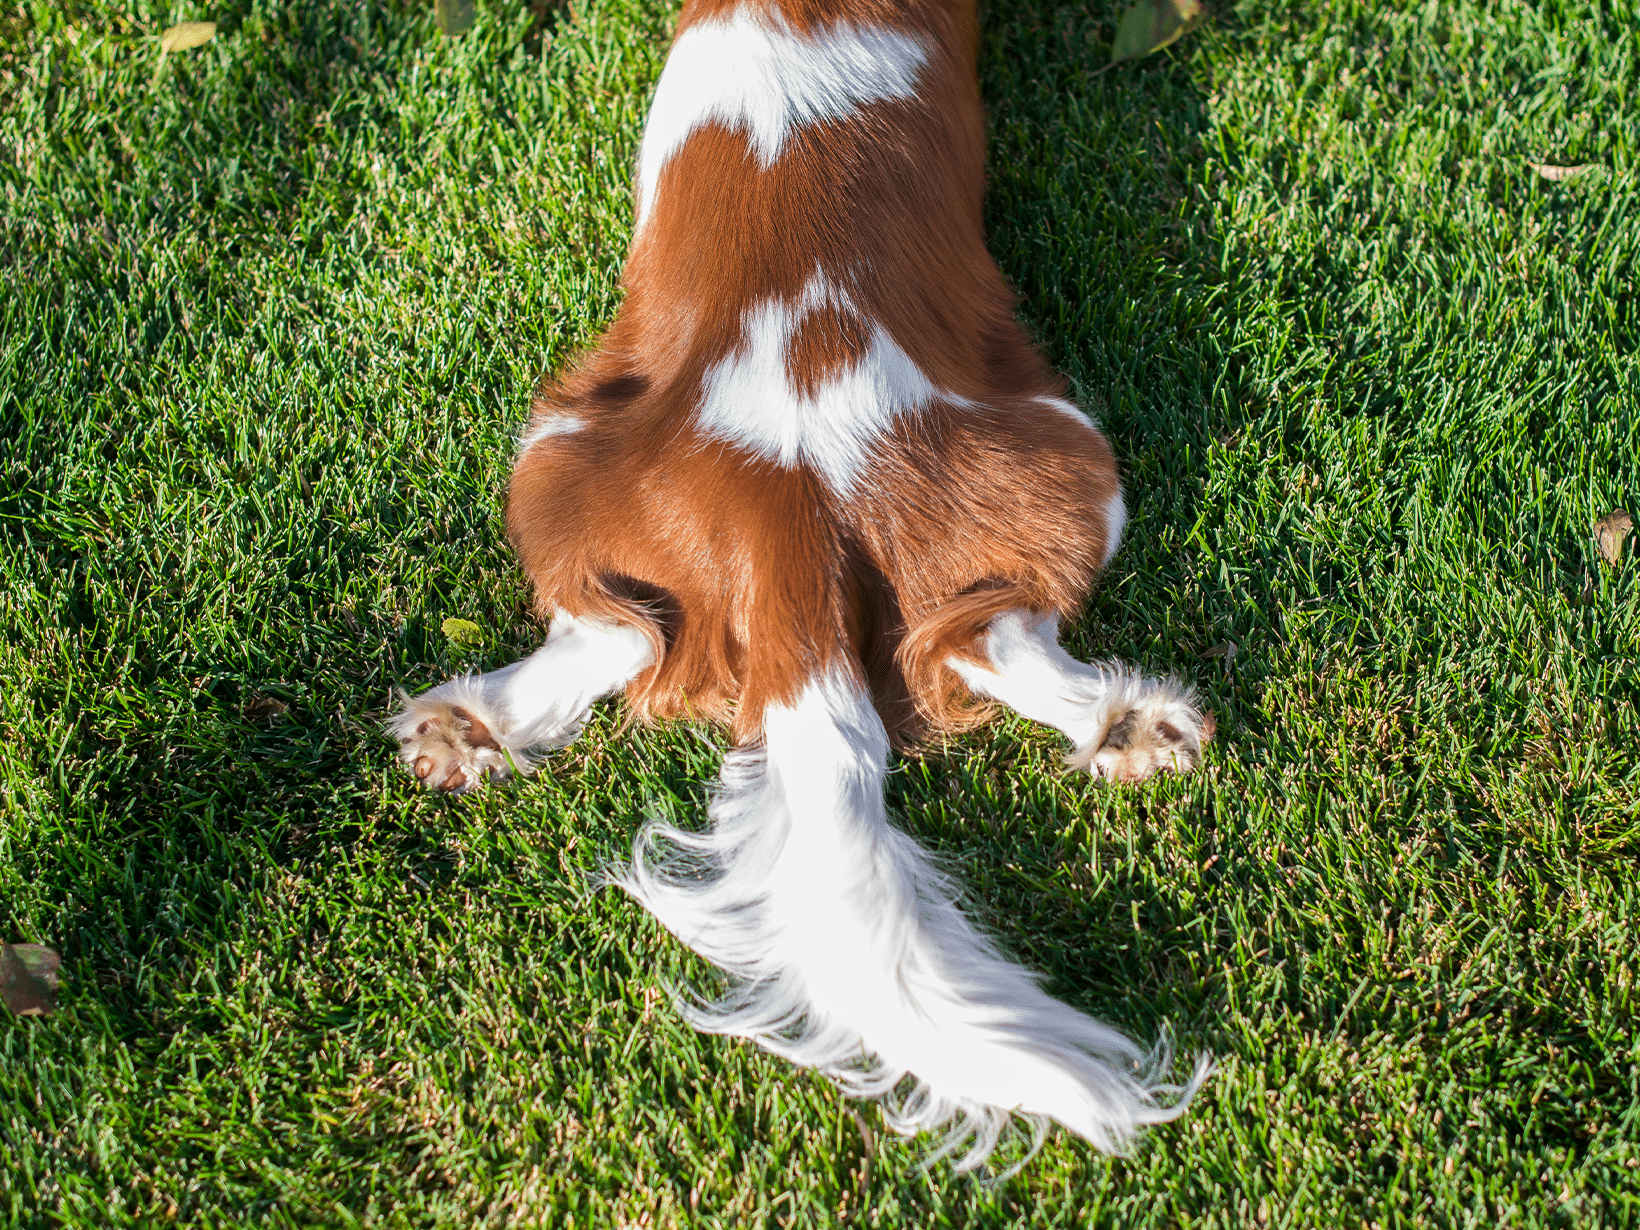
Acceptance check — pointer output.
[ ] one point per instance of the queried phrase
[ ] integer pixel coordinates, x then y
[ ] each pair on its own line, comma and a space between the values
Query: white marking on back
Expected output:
552, 425
1115, 523
747, 397
751, 72
1066, 408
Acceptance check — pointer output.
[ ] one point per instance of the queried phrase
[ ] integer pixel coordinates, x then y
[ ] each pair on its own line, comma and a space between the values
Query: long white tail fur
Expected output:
851, 956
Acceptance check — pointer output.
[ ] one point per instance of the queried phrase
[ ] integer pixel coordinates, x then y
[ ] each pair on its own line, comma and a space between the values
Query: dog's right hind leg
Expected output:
475, 727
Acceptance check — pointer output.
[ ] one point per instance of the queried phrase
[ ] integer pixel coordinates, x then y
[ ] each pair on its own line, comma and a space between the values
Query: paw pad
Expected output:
1156, 729
449, 747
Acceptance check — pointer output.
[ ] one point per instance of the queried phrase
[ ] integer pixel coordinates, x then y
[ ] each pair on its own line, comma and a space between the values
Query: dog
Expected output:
816, 483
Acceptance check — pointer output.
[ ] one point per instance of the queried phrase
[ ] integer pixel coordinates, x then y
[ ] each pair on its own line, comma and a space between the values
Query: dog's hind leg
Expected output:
475, 727
1124, 726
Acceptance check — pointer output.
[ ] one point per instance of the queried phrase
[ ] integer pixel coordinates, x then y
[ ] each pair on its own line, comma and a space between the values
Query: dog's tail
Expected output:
850, 955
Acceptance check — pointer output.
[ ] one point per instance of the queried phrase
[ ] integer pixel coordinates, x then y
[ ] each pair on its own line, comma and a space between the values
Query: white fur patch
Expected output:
750, 72
747, 399
553, 425
1068, 409
539, 702
1115, 523
1123, 724
1032, 674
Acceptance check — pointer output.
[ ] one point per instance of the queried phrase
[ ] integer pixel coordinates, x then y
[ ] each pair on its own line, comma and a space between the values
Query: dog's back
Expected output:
815, 419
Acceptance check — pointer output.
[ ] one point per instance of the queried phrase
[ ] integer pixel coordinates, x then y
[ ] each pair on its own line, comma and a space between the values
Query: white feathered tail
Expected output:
852, 957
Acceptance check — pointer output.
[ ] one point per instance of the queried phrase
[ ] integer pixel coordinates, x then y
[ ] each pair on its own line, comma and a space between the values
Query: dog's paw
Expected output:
449, 746
1148, 727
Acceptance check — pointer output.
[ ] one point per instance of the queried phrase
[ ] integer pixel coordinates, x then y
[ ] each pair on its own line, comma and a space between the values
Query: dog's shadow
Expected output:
1090, 213
1096, 213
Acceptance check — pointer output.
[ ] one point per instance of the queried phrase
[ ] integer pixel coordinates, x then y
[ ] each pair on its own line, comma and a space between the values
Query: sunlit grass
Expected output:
269, 318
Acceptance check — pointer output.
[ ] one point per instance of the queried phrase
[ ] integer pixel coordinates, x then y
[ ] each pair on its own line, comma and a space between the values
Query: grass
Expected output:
269, 316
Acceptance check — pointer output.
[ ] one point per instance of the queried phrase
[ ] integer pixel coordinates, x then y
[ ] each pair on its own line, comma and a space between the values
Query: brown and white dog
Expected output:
816, 483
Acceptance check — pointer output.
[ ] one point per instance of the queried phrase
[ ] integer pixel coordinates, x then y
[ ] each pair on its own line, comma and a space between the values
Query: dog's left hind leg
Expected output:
475, 727
1125, 726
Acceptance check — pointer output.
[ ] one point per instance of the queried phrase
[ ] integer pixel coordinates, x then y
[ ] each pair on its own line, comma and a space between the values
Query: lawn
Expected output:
270, 314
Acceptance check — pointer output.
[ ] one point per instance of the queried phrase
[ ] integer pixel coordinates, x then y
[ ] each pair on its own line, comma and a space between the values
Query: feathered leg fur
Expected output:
476, 727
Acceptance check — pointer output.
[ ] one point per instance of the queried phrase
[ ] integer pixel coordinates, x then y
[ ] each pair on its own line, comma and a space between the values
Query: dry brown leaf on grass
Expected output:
1561, 174
187, 35
1609, 535
264, 709
28, 978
